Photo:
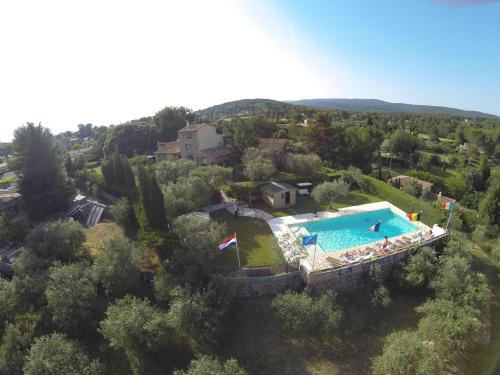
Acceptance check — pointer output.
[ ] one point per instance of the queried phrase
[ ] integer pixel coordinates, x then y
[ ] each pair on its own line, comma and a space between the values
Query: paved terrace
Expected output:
324, 260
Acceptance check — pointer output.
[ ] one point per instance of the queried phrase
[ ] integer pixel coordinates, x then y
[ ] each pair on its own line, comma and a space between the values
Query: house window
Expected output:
282, 196
189, 136
188, 148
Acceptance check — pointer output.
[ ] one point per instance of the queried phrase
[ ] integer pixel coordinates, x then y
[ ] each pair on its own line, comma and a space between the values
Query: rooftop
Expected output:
406, 179
275, 144
169, 148
275, 187
215, 152
192, 127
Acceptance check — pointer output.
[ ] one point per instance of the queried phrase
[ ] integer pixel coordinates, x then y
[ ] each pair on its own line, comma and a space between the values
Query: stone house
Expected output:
403, 180
197, 142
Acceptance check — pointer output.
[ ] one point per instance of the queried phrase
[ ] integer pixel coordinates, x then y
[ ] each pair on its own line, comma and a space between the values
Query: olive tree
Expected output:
205, 365
259, 164
55, 354
405, 353
115, 265
330, 191
71, 297
301, 313
421, 267
303, 165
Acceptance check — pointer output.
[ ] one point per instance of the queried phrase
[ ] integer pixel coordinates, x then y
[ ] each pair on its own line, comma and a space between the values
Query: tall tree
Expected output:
152, 199
321, 134
170, 119
360, 147
403, 143
119, 176
43, 184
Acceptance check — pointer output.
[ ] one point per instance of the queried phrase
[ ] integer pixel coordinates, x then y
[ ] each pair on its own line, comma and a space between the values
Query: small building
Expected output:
279, 194
87, 212
404, 180
168, 151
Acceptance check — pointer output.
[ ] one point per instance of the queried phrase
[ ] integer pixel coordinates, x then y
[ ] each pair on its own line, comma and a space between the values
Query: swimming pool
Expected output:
350, 231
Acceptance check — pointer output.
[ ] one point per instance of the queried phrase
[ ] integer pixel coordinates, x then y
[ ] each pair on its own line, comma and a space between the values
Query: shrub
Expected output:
301, 313
405, 353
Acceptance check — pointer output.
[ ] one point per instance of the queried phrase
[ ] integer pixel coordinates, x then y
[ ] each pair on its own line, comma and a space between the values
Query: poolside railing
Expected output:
380, 256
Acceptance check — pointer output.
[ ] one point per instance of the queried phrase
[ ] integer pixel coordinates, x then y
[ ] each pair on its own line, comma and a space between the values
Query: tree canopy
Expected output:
43, 184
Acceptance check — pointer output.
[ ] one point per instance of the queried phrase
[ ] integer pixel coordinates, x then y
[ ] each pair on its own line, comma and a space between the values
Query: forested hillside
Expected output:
375, 105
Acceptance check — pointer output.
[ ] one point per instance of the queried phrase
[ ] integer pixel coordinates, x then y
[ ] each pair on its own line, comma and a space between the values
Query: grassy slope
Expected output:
255, 339
95, 236
256, 242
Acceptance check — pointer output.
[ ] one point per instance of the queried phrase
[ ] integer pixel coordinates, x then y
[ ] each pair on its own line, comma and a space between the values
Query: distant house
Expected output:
404, 180
276, 145
463, 147
279, 194
79, 152
197, 142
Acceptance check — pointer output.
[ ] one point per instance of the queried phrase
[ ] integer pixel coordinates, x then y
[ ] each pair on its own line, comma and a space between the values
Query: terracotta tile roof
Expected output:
192, 127
403, 180
215, 152
275, 144
168, 148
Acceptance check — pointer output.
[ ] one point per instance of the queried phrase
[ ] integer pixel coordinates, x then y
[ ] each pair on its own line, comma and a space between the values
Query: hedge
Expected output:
432, 213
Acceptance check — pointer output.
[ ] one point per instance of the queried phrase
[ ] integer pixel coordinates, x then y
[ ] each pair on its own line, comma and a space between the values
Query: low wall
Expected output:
265, 285
352, 277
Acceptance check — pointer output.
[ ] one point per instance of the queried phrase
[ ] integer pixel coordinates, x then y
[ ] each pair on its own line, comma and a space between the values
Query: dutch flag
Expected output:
228, 241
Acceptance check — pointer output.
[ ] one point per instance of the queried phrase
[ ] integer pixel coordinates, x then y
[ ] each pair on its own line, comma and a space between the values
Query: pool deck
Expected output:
323, 260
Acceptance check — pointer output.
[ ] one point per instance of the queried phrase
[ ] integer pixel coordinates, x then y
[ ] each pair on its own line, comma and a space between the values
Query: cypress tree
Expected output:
68, 165
43, 186
152, 199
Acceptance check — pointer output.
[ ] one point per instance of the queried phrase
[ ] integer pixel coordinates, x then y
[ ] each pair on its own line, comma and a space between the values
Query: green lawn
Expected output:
256, 243
306, 204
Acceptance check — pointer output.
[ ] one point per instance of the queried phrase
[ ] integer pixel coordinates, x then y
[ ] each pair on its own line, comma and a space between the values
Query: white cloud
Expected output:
65, 62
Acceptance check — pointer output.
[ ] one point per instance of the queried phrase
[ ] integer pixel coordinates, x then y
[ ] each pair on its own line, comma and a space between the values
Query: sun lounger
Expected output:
335, 263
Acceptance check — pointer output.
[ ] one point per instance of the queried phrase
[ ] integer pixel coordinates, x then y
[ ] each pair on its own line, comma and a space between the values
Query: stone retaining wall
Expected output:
352, 277
265, 285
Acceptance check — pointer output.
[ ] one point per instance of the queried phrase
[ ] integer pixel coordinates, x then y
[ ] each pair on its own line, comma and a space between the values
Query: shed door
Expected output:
287, 197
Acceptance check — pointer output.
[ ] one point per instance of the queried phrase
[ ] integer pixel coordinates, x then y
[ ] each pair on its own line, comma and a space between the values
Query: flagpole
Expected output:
449, 217
237, 250
314, 256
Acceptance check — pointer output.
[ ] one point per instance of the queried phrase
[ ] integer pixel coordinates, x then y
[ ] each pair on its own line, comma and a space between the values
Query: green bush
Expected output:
301, 313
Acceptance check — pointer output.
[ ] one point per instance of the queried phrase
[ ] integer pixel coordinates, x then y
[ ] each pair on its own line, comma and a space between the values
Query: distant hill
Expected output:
375, 105
250, 107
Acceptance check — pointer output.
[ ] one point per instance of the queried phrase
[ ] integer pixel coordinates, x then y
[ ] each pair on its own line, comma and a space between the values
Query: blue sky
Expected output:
415, 51
106, 62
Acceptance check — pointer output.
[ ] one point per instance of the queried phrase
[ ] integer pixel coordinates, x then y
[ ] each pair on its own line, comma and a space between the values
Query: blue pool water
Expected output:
350, 231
